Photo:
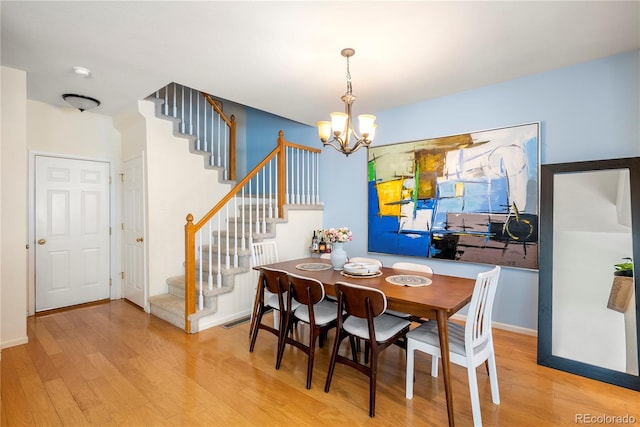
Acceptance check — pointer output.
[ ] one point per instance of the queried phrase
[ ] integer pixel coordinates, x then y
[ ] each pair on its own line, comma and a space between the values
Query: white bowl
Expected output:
361, 268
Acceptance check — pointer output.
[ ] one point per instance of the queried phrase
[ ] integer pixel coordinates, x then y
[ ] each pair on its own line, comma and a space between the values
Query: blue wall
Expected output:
262, 134
589, 111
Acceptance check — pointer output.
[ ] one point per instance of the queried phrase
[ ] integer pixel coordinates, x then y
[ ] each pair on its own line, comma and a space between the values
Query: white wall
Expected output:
67, 132
177, 184
13, 215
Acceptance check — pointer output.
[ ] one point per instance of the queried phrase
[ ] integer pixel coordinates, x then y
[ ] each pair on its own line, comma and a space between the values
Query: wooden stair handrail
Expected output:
191, 228
231, 122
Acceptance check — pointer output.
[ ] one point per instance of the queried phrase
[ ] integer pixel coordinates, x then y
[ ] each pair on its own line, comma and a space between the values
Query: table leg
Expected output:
443, 333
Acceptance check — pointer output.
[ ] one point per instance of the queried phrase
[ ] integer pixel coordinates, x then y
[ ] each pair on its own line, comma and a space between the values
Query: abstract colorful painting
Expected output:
471, 197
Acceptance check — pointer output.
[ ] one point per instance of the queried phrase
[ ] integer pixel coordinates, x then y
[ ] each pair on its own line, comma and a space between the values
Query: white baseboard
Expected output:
14, 342
211, 321
503, 326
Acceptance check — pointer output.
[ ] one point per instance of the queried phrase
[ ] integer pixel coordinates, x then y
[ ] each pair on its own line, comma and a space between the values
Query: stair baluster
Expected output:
263, 193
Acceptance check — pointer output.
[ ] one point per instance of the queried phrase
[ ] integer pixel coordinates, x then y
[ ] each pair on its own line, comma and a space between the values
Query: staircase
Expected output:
217, 254
171, 306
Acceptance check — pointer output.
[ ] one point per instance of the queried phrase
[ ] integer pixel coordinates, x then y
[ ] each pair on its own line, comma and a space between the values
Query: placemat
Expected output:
408, 280
361, 276
313, 266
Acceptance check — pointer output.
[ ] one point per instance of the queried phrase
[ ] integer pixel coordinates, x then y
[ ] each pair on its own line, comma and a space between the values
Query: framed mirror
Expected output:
588, 302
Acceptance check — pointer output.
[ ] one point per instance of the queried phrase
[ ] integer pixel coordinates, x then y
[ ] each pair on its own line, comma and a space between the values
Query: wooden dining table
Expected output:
439, 300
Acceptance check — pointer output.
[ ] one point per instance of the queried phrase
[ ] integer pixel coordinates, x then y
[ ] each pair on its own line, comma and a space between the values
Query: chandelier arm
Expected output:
359, 143
331, 143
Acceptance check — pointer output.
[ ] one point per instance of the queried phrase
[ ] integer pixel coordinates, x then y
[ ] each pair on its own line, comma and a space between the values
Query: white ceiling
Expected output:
284, 57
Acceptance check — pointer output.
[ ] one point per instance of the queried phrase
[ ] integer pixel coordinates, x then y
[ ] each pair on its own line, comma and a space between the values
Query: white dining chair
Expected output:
263, 253
470, 344
413, 266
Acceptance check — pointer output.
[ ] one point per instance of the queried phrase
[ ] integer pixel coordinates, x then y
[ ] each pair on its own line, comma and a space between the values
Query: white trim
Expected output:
503, 326
12, 343
211, 321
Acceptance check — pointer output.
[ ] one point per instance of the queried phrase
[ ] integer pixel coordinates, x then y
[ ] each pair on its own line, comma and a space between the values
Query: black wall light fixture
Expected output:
80, 102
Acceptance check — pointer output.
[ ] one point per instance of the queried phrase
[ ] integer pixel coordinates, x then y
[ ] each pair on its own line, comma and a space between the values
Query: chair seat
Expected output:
428, 333
271, 300
386, 326
324, 312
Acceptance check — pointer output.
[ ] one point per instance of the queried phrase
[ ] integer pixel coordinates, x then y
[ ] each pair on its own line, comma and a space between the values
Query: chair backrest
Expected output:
356, 300
478, 324
275, 281
365, 260
264, 253
306, 290
413, 267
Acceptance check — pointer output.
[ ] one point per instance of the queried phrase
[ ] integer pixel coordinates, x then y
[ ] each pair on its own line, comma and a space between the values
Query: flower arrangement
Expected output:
337, 235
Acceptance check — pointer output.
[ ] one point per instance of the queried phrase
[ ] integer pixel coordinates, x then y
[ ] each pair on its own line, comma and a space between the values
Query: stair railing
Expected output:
290, 174
202, 116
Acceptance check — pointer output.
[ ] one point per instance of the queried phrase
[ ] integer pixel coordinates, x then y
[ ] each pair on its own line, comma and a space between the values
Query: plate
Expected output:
361, 276
408, 280
313, 266
360, 268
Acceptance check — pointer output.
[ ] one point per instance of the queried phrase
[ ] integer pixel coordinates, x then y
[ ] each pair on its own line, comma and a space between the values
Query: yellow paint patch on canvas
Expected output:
389, 193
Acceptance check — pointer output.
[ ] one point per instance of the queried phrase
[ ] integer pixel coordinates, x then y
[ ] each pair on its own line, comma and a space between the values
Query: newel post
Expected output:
282, 173
189, 272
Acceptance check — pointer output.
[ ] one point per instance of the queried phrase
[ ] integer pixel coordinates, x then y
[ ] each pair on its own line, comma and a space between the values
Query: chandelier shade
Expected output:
339, 132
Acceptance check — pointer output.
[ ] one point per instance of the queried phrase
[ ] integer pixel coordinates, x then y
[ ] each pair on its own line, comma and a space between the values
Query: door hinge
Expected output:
122, 226
122, 275
122, 177
109, 231
110, 284
109, 180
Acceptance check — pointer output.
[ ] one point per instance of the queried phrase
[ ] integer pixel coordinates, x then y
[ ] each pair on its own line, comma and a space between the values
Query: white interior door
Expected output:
133, 226
71, 231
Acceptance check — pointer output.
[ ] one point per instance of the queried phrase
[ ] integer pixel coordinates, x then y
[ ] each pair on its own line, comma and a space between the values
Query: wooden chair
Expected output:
271, 294
306, 299
469, 345
377, 261
361, 314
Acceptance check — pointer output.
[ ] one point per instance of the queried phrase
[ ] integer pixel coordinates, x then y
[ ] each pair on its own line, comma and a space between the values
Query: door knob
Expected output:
42, 242
139, 240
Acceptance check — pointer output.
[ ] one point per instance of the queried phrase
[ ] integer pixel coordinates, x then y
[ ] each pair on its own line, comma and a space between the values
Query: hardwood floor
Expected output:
113, 364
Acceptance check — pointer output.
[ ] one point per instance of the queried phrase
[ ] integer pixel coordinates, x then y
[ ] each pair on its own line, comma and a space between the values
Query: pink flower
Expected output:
339, 235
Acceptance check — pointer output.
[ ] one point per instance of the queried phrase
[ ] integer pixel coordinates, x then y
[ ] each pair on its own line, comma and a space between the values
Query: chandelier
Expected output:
341, 124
